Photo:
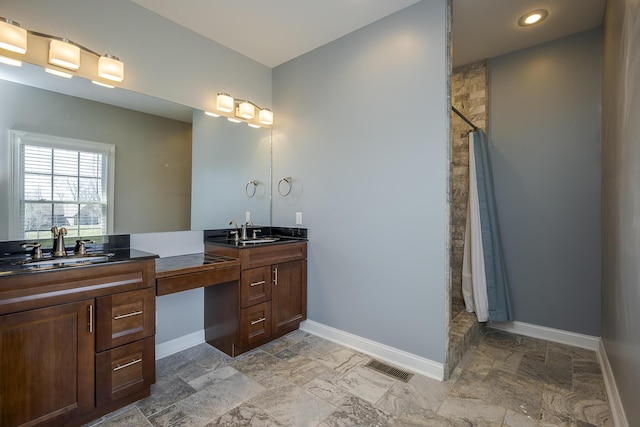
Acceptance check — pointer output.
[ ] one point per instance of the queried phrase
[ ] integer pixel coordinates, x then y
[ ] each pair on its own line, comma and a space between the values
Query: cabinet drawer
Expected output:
267, 255
255, 286
255, 323
184, 282
125, 370
124, 318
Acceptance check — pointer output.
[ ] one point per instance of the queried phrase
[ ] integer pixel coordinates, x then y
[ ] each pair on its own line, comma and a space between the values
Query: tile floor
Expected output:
302, 380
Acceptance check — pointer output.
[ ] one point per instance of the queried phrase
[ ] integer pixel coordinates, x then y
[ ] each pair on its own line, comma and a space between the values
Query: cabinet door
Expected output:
46, 365
289, 295
125, 317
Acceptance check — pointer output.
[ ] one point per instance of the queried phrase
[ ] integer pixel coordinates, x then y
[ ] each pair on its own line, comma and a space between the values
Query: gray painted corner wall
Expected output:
152, 157
621, 200
363, 132
545, 132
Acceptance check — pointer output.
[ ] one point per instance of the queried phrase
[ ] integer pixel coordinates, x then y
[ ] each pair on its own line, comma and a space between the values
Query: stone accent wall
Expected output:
470, 95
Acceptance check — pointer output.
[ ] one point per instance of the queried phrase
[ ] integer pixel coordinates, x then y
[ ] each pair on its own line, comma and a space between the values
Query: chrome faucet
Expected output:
244, 230
58, 244
236, 233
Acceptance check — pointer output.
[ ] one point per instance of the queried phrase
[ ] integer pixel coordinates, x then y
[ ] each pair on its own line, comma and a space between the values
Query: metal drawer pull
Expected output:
126, 365
262, 282
91, 318
122, 316
260, 320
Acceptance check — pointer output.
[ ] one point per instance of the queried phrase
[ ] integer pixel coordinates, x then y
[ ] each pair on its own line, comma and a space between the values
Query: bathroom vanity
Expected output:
76, 341
270, 299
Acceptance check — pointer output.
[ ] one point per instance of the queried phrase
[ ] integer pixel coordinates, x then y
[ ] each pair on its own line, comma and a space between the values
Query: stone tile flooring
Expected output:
302, 380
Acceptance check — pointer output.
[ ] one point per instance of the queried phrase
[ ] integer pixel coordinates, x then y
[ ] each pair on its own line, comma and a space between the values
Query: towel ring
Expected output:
253, 182
286, 179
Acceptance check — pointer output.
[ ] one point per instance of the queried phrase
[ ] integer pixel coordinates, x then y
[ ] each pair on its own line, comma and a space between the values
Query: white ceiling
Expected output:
273, 32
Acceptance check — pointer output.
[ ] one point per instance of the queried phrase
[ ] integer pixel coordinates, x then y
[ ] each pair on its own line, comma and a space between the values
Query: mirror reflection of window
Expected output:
61, 182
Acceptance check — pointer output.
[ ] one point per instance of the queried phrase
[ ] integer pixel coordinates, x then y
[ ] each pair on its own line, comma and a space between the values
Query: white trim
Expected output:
176, 345
550, 334
617, 410
399, 358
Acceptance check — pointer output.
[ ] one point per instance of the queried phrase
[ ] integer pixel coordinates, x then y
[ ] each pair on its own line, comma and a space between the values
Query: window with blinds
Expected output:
63, 183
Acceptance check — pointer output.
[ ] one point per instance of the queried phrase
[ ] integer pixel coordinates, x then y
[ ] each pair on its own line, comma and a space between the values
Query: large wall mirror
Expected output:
175, 168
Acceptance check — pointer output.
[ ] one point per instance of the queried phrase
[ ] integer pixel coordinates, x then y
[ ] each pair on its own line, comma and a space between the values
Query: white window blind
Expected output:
62, 182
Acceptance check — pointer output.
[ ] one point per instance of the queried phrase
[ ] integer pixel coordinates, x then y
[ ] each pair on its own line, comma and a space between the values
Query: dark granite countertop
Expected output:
114, 247
282, 235
192, 263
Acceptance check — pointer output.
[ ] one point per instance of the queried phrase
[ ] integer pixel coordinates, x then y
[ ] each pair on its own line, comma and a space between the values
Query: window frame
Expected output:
19, 138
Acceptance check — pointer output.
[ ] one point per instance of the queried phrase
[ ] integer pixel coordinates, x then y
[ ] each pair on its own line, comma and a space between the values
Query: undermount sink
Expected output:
259, 240
67, 260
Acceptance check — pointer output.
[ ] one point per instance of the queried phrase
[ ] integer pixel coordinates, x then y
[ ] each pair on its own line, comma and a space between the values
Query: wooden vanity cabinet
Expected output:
272, 297
46, 365
66, 357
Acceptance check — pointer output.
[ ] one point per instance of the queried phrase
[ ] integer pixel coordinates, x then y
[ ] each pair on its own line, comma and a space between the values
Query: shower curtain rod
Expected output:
455, 110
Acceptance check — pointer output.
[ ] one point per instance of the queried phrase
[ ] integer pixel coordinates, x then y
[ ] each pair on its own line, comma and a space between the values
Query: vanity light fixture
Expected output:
533, 17
246, 110
241, 110
12, 37
224, 102
64, 53
110, 68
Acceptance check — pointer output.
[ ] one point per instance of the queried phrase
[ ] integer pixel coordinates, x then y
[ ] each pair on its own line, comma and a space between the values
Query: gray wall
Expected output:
153, 155
545, 129
621, 199
362, 130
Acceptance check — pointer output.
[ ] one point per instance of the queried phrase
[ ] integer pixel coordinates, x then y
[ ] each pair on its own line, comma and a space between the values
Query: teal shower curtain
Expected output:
483, 242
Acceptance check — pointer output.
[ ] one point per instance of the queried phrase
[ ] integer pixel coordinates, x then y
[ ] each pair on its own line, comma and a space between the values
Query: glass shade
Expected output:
266, 117
12, 36
246, 110
110, 68
64, 54
224, 102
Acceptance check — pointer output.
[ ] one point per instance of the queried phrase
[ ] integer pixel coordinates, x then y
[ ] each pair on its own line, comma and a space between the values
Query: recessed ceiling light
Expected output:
533, 17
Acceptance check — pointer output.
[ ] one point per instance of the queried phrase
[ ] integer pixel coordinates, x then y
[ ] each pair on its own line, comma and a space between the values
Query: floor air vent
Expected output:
389, 370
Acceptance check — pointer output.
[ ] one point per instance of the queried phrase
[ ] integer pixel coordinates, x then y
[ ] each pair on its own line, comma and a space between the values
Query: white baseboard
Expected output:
399, 358
184, 342
550, 334
617, 411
